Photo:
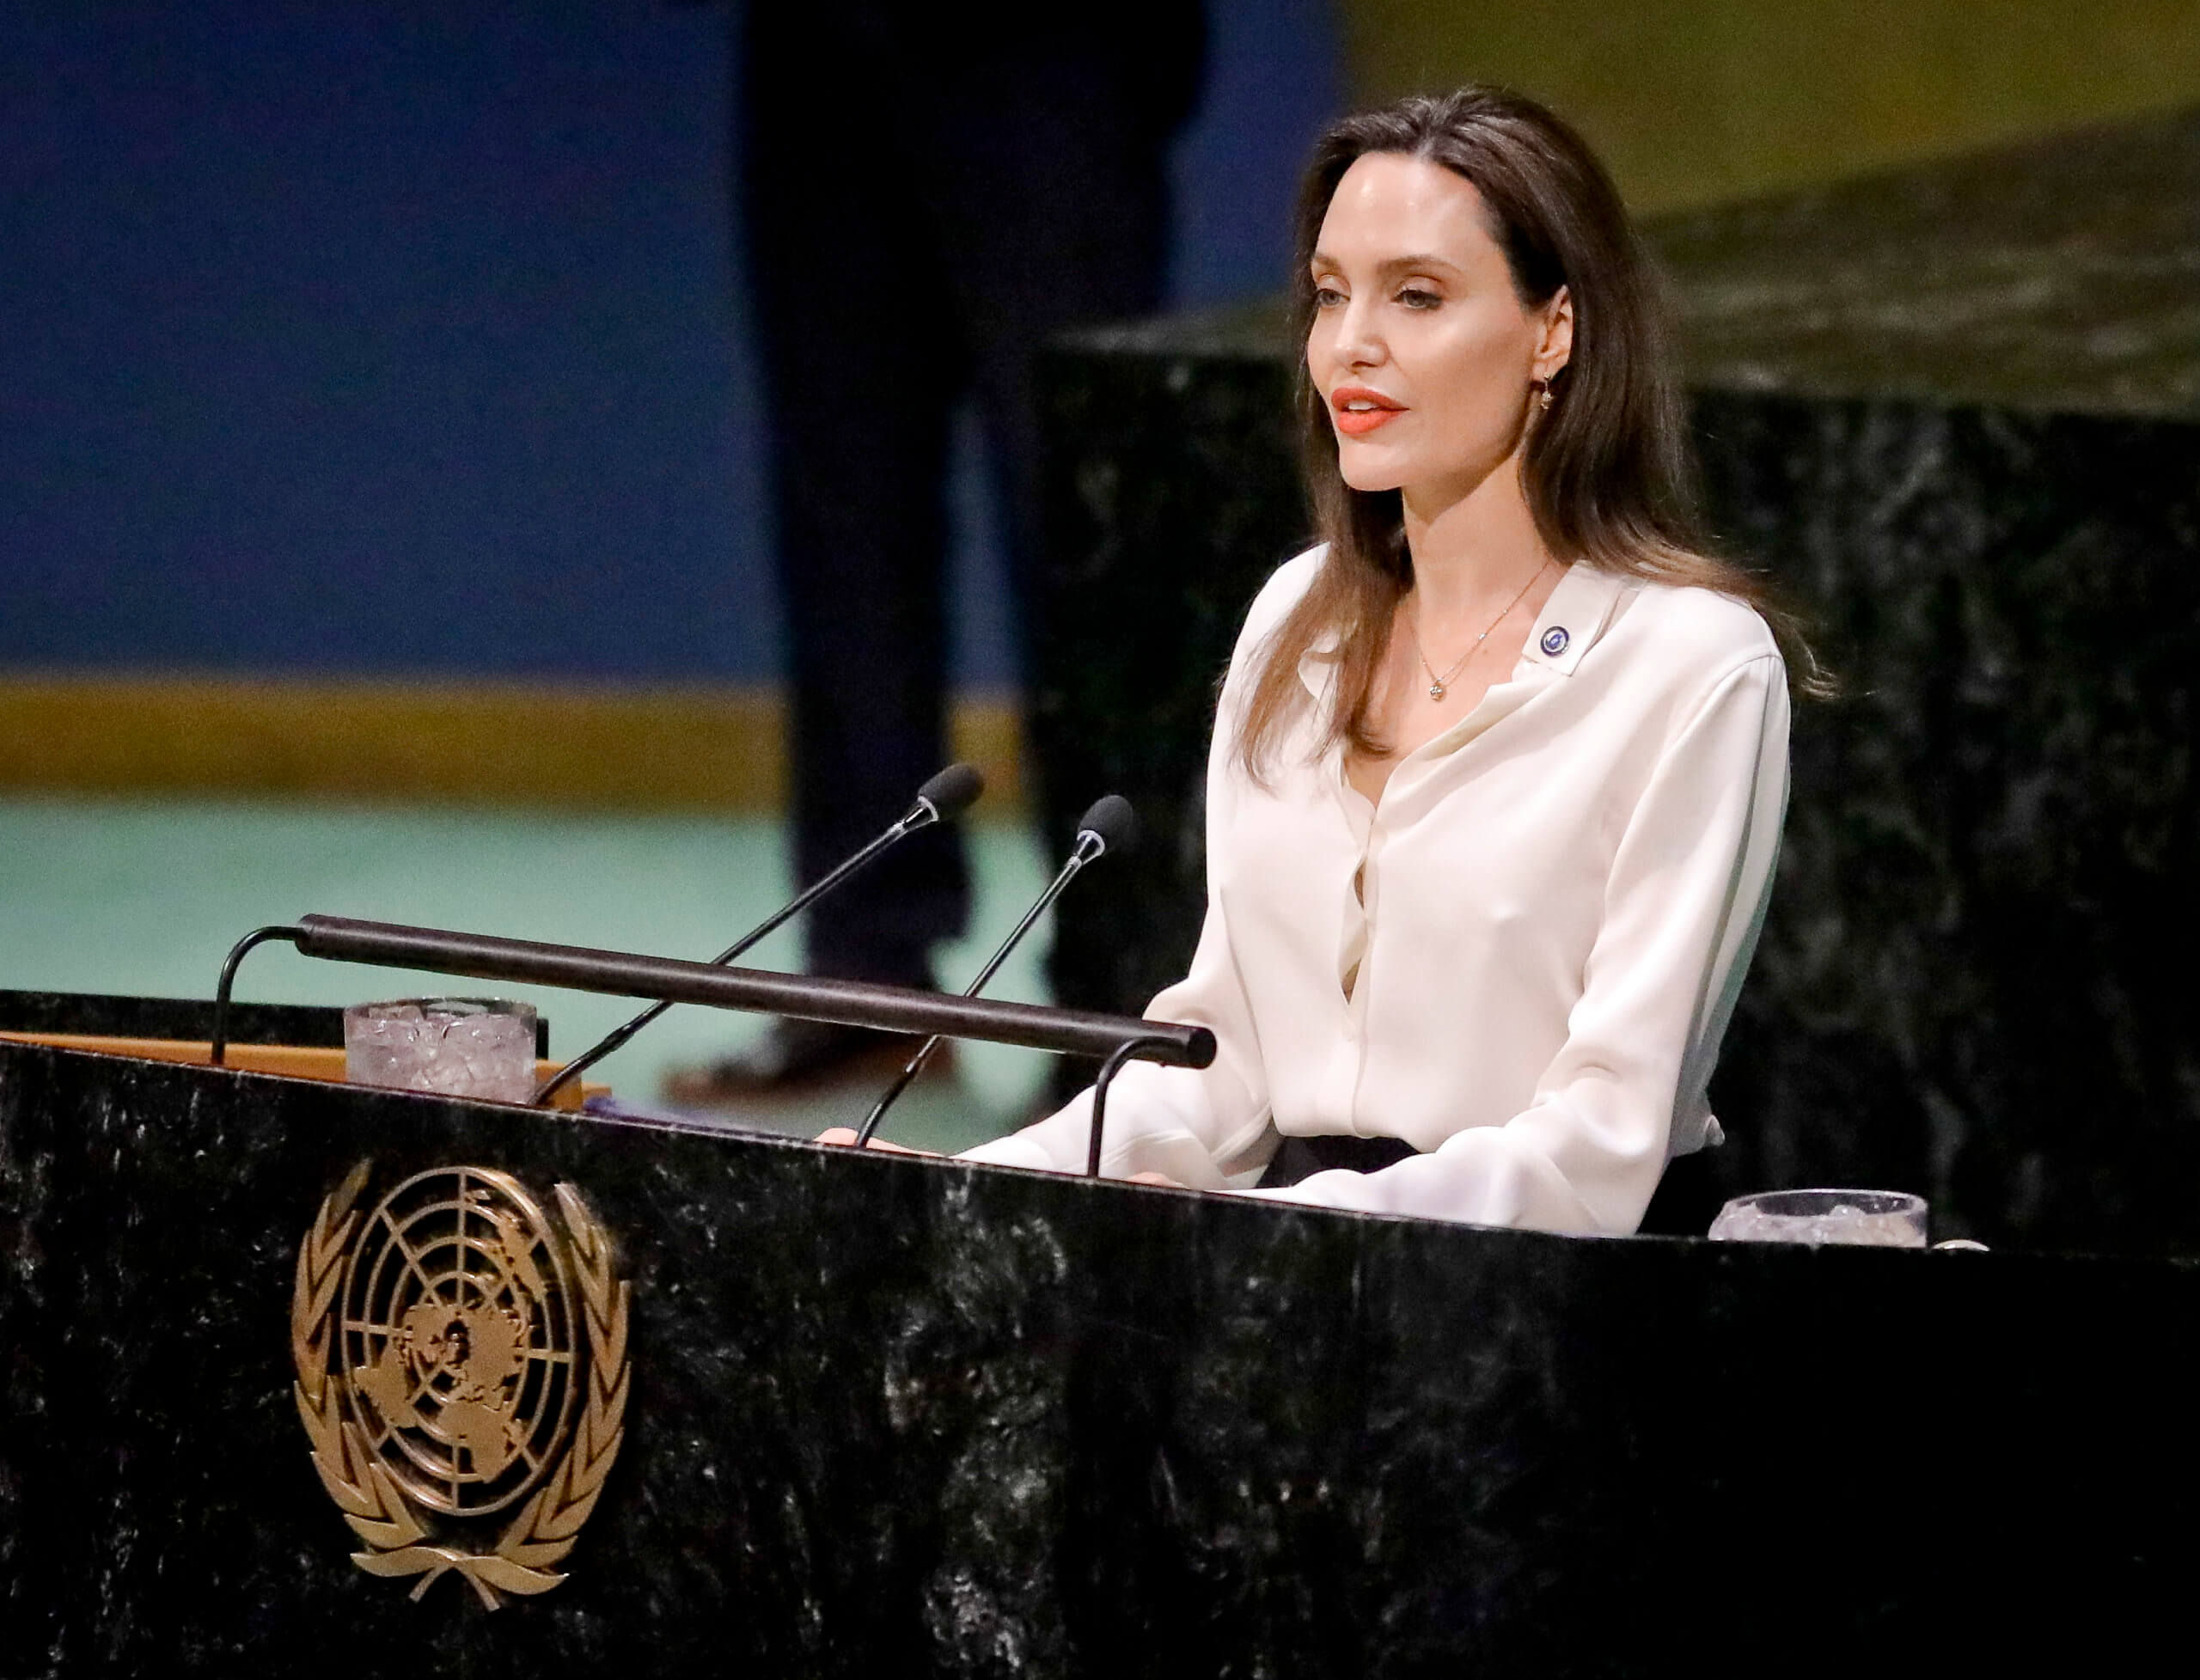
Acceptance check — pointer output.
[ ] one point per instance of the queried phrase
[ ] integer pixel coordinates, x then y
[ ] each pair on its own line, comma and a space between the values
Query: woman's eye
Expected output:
1327, 298
1419, 297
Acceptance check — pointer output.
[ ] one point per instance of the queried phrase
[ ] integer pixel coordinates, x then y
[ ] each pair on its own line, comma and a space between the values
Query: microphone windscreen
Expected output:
953, 790
1111, 818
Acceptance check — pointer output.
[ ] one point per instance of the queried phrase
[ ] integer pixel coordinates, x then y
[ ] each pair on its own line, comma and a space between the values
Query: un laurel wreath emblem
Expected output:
462, 1374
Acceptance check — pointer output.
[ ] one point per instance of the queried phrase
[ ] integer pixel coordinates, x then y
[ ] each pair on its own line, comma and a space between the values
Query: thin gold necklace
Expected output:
1438, 685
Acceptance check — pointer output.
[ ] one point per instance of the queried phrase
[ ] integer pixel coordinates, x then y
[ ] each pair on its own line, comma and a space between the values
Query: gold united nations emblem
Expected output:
461, 1373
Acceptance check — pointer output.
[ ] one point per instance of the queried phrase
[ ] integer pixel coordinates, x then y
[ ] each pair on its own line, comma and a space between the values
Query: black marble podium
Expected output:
891, 1416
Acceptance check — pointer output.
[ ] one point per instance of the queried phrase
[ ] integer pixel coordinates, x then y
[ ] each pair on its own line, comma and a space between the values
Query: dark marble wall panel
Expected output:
1973, 979
2054, 276
1172, 490
1968, 986
909, 1416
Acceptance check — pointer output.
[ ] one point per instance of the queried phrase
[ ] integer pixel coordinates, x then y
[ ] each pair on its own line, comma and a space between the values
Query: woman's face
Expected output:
1420, 345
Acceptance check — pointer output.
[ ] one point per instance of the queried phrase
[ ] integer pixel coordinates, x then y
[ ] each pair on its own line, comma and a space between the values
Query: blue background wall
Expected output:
405, 339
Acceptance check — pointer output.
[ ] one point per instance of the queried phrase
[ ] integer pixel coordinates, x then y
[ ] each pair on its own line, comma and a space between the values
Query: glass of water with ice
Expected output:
1871, 1219
454, 1046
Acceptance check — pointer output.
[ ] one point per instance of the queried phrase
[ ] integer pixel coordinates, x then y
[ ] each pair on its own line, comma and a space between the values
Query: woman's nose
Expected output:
1358, 344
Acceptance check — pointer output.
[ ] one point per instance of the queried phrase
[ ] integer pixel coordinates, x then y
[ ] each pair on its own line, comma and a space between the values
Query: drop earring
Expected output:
1543, 394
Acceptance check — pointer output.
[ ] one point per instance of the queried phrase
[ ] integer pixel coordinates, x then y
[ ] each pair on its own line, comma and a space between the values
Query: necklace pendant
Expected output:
1436, 691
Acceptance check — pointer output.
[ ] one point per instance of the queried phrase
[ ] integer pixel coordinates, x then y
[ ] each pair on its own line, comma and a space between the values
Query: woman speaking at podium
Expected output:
1499, 768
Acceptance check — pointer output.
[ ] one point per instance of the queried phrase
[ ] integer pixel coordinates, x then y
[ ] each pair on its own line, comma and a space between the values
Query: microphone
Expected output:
942, 799
1109, 825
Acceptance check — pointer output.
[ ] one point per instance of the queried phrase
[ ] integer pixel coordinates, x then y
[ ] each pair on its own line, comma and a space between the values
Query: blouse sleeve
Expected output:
1192, 1124
1683, 905
1206, 1128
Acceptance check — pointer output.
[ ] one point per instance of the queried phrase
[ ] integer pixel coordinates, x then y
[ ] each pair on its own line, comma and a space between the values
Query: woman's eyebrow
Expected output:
1420, 263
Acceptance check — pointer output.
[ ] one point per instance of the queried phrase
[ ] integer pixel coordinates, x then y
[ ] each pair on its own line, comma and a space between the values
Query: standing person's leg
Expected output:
860, 373
1064, 211
1055, 191
1053, 187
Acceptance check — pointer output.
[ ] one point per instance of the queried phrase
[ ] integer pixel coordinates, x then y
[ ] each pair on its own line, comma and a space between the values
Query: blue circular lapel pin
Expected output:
1555, 640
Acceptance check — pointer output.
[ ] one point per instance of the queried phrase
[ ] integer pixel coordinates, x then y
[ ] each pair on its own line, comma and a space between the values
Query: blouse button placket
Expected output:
1364, 878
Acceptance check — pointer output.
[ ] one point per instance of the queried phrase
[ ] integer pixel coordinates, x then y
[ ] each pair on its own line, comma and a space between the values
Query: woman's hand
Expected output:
1161, 1178
844, 1135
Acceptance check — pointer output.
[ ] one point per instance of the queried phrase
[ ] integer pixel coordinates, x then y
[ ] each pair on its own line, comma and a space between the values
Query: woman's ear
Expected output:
1557, 349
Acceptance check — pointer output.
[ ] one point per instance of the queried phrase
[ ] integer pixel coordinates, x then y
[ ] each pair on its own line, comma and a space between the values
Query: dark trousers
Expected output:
917, 225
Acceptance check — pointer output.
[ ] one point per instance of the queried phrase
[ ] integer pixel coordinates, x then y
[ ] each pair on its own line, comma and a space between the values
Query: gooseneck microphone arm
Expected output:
942, 799
217, 1052
1129, 1049
1108, 827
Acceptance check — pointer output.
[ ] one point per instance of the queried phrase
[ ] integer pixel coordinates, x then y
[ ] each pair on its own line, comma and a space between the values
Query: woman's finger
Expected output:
844, 1135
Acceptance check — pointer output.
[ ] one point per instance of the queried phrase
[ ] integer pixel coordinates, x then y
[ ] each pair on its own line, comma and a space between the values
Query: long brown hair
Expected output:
1608, 470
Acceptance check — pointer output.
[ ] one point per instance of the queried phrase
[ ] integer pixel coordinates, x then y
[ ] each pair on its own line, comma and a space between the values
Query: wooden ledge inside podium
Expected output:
293, 1061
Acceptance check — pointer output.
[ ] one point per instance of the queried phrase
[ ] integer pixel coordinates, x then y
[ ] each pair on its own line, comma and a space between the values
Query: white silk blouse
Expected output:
1556, 900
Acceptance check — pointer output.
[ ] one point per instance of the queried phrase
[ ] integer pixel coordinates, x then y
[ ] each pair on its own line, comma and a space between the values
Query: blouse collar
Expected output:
1577, 614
